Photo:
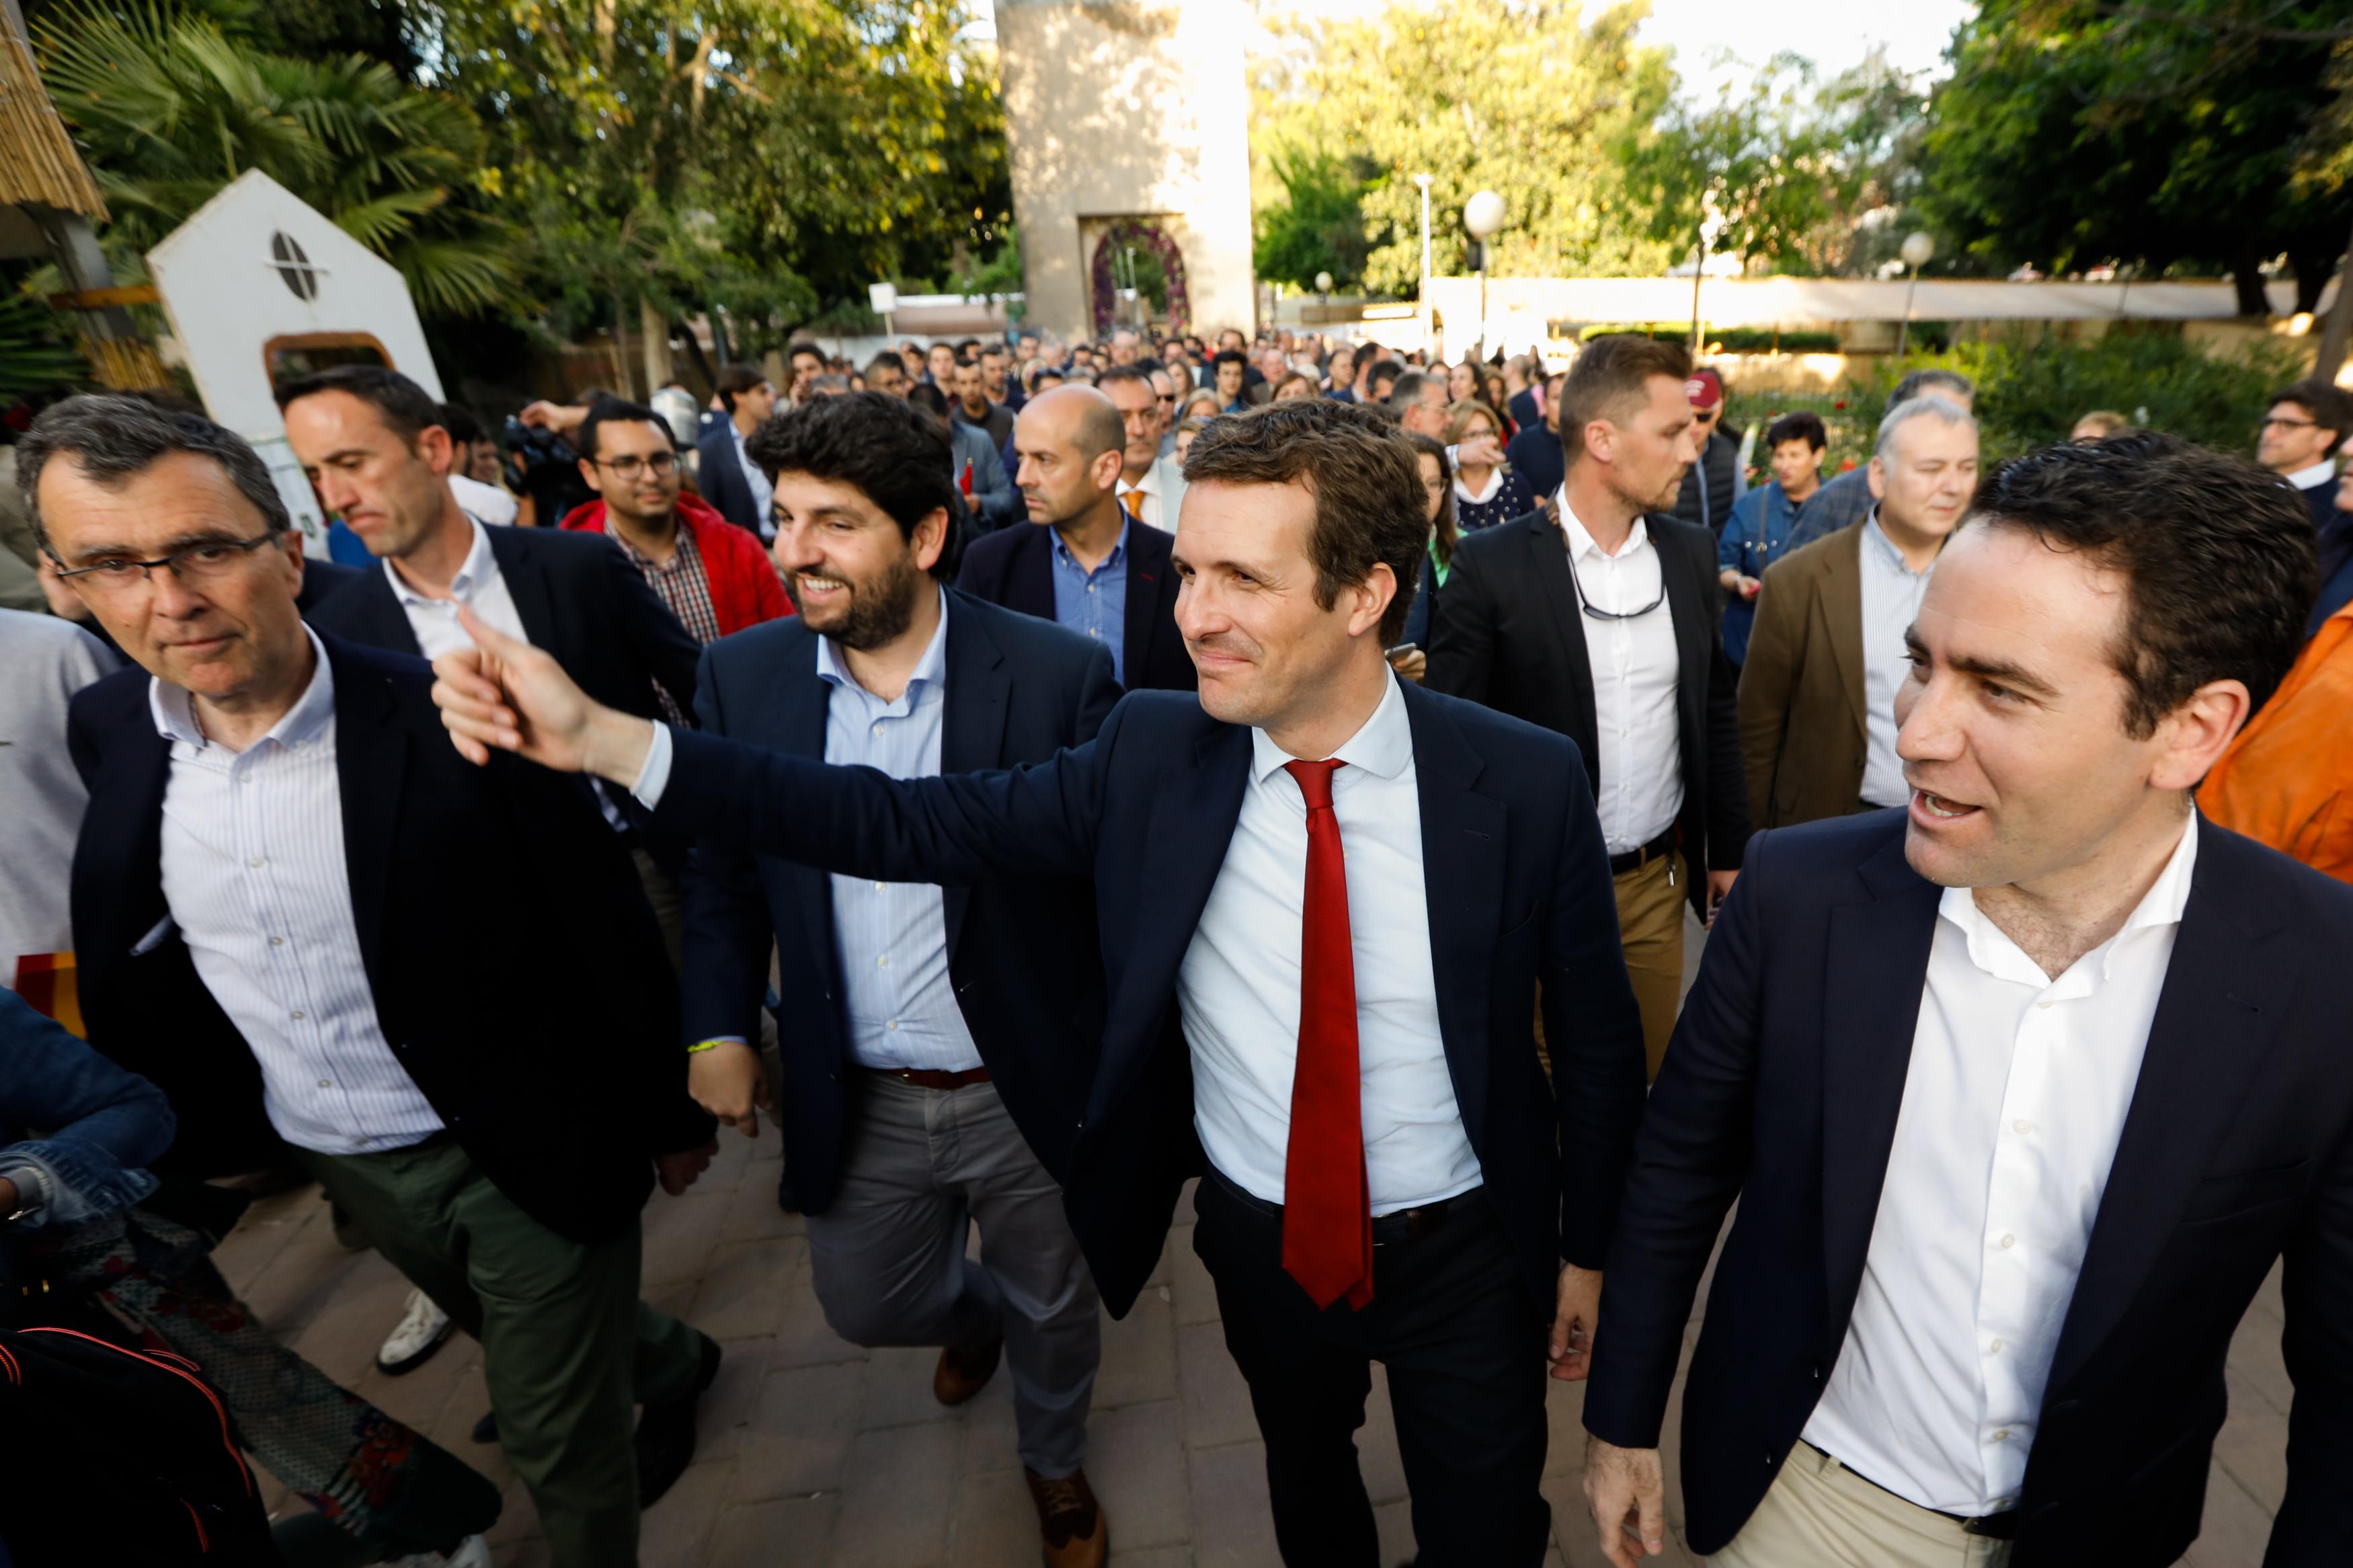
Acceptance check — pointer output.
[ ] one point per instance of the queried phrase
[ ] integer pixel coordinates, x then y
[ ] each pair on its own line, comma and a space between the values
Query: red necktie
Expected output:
1327, 1218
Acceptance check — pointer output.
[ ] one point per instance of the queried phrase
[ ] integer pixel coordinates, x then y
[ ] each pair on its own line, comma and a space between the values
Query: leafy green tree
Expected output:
169, 108
825, 144
1523, 97
2182, 132
1319, 225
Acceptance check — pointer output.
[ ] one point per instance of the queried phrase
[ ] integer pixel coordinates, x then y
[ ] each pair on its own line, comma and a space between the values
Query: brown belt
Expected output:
927, 1078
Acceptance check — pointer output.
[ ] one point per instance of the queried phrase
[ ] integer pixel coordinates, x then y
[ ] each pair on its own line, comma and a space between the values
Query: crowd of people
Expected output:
1040, 776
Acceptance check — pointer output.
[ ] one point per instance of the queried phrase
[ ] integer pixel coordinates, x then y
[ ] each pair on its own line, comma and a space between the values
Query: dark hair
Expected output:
2331, 407
1384, 368
887, 360
112, 436
1228, 356
1362, 473
2217, 553
1120, 373
803, 346
1446, 530
734, 379
403, 405
585, 441
462, 425
1922, 383
1609, 382
927, 396
893, 454
1805, 425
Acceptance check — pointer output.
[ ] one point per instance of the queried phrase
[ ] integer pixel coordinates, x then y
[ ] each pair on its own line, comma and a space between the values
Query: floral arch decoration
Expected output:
1144, 236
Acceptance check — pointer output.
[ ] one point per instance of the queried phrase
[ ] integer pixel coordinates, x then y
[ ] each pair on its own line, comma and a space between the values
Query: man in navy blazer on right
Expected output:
1325, 900
2021, 1090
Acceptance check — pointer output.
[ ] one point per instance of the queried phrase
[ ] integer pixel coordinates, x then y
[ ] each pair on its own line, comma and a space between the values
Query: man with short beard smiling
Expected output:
936, 1055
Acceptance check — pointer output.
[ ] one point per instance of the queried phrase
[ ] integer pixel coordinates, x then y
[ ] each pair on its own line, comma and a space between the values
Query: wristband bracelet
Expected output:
704, 1046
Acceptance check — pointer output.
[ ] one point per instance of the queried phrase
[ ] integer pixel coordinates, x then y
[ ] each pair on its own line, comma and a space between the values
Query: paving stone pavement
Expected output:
814, 1452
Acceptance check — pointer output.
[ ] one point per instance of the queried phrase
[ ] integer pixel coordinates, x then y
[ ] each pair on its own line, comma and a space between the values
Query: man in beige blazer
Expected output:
1827, 655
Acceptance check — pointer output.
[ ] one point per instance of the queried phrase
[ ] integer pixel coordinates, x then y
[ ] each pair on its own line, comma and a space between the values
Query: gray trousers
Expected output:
920, 1167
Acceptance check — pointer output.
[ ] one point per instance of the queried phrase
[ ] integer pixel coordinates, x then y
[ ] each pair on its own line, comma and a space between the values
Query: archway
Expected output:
1144, 236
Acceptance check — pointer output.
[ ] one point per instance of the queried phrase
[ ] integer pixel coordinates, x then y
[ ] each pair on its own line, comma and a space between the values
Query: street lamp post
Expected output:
1483, 217
1919, 247
1427, 330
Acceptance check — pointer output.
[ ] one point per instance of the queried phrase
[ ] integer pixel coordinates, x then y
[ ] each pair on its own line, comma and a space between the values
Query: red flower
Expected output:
1840, 404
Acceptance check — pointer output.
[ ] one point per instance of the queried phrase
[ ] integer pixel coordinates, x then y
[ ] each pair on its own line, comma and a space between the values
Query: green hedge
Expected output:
2032, 387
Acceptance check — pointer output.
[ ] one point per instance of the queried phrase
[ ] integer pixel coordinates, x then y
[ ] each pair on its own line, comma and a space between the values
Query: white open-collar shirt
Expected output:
1636, 675
2013, 1103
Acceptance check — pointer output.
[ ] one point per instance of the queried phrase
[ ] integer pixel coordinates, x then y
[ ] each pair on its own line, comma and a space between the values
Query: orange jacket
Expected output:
2287, 779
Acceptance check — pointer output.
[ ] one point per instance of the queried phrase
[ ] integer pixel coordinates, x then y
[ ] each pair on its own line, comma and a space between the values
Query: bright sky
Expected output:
1834, 34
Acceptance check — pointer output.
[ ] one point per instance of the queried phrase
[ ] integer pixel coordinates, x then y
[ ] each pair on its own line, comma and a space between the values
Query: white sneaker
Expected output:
474, 1551
422, 1330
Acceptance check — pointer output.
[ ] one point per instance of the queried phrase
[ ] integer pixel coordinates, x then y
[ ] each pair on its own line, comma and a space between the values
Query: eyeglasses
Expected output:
1600, 615
663, 463
2287, 423
207, 560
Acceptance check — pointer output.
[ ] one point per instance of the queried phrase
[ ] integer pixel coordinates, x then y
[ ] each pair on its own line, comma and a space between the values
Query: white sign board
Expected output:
883, 299
256, 271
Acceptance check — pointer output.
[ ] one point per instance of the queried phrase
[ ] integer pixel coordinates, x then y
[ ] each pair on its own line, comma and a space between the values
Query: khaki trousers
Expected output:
1820, 1514
1650, 928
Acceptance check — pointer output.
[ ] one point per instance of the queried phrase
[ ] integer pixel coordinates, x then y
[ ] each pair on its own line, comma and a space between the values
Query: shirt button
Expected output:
278, 941
882, 962
877, 886
297, 1014
1994, 1348
326, 1083
2001, 1437
892, 1025
2021, 1125
257, 862
2009, 1241
876, 731
2042, 1006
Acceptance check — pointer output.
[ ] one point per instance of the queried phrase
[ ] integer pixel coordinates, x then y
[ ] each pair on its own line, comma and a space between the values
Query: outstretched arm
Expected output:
505, 695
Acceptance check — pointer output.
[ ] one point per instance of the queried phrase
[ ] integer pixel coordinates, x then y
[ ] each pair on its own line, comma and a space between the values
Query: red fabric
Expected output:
1327, 1215
745, 588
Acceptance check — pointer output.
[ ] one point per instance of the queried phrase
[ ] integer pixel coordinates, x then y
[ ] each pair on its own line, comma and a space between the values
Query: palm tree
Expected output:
168, 109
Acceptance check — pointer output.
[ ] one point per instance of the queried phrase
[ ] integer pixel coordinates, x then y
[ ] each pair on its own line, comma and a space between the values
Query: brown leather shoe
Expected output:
962, 1374
1075, 1530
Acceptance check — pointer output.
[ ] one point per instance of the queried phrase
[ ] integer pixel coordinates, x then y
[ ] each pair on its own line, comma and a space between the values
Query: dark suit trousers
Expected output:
1464, 1348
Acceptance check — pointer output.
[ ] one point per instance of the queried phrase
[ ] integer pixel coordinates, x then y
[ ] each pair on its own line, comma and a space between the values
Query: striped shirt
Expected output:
681, 584
893, 937
254, 877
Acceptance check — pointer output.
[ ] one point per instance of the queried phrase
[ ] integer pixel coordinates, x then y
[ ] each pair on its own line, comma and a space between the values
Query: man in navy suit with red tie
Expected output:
1326, 900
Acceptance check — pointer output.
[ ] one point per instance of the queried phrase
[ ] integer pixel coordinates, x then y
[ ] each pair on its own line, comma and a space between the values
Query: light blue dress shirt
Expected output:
893, 937
1891, 600
1094, 603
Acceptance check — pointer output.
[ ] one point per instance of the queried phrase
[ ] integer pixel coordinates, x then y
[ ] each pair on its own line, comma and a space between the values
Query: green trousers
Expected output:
567, 1348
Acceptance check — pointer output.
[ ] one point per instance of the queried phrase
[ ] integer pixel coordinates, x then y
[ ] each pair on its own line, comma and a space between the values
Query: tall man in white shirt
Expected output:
2023, 1090
1326, 900
1603, 627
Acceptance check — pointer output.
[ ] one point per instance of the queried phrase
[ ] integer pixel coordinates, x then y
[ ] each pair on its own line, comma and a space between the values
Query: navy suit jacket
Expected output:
1536, 456
1015, 567
1782, 1089
1518, 889
1021, 952
552, 1060
719, 476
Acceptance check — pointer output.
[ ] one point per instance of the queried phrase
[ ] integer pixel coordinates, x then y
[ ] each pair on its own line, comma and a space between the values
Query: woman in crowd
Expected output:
1297, 384
1185, 432
1438, 487
1201, 402
1462, 380
1487, 493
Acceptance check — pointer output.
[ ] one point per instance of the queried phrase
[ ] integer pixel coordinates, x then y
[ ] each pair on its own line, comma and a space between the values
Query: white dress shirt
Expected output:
47, 661
893, 937
1892, 593
1237, 987
2323, 472
254, 877
484, 503
763, 494
1161, 488
2013, 1102
477, 586
1636, 675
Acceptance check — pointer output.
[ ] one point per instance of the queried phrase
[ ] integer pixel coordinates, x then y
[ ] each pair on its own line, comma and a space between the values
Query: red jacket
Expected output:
745, 588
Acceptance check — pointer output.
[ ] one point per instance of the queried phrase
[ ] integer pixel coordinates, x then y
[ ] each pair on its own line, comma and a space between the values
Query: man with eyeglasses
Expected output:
711, 576
2298, 440
264, 925
1644, 690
